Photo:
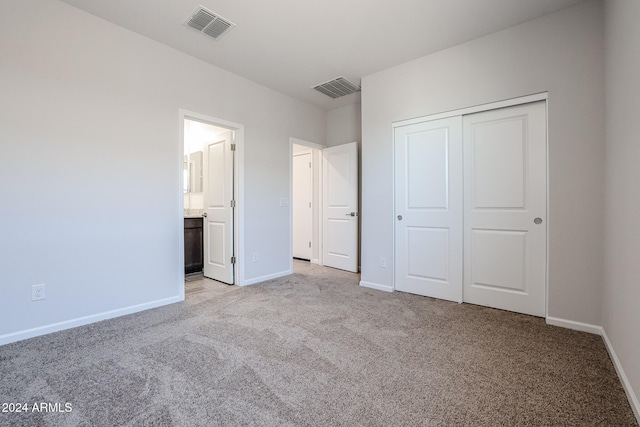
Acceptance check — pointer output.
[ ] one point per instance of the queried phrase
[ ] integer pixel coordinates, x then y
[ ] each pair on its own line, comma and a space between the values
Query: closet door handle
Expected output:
399, 217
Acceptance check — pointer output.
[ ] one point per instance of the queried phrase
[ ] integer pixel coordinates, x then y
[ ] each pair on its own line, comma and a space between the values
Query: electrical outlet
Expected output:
37, 292
256, 257
383, 262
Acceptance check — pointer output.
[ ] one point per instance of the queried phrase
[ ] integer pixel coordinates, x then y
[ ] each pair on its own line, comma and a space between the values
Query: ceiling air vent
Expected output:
209, 23
337, 88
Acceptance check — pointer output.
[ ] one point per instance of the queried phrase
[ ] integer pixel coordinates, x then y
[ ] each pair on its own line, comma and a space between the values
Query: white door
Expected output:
505, 208
428, 208
218, 211
302, 214
340, 207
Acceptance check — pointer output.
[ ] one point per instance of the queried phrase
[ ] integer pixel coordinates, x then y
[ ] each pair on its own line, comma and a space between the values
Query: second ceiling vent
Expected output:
209, 23
337, 87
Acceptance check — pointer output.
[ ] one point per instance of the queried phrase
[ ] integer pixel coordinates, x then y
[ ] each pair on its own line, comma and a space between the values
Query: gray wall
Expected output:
90, 165
621, 293
561, 53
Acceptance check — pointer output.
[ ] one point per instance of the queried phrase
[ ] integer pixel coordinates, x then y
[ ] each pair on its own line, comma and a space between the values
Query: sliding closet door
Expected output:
505, 210
428, 208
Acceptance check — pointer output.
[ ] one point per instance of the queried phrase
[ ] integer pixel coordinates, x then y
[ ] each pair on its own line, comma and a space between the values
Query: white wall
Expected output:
89, 121
561, 53
344, 125
621, 291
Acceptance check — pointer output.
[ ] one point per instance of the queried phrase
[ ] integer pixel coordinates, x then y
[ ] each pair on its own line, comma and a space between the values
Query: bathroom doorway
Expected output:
211, 197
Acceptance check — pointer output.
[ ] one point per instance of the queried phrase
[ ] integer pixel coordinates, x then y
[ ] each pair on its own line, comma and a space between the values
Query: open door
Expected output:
340, 207
218, 208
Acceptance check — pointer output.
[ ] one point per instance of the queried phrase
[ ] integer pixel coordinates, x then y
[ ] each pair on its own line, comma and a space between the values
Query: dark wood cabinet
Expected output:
193, 254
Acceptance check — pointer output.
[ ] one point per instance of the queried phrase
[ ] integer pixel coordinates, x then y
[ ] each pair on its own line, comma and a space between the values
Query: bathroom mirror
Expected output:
193, 172
185, 174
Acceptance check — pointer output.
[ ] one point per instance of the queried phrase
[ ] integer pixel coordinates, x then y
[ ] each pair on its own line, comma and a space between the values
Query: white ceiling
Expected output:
293, 45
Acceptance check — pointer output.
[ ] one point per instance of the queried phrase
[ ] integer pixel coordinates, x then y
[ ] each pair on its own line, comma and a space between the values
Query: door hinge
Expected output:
309, 244
309, 204
233, 147
233, 203
309, 165
233, 260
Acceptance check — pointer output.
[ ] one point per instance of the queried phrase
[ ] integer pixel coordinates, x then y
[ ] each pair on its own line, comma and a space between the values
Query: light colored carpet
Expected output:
311, 349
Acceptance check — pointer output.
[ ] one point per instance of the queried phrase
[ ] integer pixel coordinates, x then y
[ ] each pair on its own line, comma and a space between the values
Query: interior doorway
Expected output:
302, 202
306, 198
332, 206
211, 196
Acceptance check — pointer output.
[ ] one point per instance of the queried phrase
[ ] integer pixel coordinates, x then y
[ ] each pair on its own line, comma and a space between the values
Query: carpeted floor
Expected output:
313, 349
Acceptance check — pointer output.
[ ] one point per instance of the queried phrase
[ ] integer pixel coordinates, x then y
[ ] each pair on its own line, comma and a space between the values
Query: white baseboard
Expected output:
577, 326
599, 330
633, 399
315, 261
81, 321
377, 286
255, 280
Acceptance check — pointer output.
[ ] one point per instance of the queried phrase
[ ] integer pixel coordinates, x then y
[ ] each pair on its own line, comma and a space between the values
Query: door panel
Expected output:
216, 194
505, 190
218, 221
498, 163
428, 240
302, 214
426, 158
428, 208
340, 207
337, 246
217, 254
498, 259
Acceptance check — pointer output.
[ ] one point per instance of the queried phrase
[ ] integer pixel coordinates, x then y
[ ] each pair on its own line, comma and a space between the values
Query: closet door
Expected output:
428, 208
505, 208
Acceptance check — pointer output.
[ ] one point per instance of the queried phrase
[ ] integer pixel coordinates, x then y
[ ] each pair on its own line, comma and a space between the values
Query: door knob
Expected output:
399, 217
204, 215
352, 214
537, 221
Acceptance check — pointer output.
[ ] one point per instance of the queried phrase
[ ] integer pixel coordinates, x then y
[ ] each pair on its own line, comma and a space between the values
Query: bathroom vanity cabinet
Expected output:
193, 253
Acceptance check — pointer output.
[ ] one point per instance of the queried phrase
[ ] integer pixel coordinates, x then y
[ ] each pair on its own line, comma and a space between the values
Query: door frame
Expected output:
238, 189
542, 96
317, 209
